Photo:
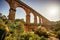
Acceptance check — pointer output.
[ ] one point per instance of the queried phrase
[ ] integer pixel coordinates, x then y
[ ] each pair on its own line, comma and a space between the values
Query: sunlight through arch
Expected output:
37, 19
4, 8
31, 18
20, 14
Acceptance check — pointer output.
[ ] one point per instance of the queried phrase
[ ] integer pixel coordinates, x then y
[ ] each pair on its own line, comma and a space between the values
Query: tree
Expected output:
4, 18
0, 15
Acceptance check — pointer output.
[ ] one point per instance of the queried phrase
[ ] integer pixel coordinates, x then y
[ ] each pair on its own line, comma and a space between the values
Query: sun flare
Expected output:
53, 11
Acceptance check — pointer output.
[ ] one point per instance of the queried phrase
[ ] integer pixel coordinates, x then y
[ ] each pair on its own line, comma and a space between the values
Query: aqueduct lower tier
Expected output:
17, 3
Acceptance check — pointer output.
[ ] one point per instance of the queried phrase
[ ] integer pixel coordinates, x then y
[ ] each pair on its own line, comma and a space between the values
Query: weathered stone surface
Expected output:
17, 3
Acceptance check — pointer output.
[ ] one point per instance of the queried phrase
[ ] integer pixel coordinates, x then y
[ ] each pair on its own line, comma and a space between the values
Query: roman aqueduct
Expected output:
17, 3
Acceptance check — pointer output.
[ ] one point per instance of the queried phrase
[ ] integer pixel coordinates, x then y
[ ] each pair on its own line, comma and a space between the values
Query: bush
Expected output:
15, 31
30, 36
43, 38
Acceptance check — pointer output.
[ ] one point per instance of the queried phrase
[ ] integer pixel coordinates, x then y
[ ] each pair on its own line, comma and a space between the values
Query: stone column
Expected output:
27, 23
35, 22
42, 22
27, 16
12, 10
39, 20
28, 19
12, 14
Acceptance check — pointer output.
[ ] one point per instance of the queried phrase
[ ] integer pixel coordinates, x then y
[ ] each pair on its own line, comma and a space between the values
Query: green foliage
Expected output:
1, 21
2, 26
57, 29
20, 20
31, 23
16, 30
30, 36
4, 18
43, 38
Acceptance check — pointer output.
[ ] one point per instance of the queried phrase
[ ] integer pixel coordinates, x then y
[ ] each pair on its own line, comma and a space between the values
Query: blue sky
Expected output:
44, 7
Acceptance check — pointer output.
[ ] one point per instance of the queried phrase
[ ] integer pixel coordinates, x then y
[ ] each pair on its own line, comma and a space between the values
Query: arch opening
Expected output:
38, 20
20, 14
31, 18
4, 8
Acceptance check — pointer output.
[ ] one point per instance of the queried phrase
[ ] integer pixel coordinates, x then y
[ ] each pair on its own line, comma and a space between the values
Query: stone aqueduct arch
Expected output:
17, 3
